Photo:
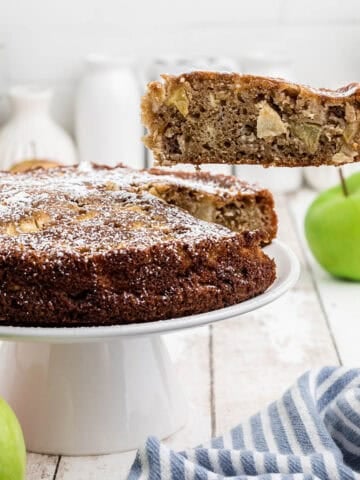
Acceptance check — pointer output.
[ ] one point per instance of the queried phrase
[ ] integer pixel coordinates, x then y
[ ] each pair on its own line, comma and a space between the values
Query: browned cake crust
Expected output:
208, 117
92, 248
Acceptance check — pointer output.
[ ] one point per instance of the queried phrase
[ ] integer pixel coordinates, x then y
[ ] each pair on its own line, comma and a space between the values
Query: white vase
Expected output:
31, 133
107, 119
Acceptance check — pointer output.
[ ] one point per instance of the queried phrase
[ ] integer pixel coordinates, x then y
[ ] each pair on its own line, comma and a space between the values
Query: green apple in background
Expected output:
12, 446
332, 229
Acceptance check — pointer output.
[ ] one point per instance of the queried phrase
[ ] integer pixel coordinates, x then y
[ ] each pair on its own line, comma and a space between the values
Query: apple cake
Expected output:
97, 246
209, 117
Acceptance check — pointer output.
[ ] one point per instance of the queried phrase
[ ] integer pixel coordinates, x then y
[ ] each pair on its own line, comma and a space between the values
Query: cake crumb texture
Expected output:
211, 117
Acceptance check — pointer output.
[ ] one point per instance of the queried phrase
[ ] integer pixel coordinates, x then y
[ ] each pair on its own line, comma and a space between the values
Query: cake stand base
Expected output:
91, 398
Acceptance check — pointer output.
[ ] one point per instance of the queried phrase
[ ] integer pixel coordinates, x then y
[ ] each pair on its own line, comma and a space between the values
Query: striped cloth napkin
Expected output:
312, 432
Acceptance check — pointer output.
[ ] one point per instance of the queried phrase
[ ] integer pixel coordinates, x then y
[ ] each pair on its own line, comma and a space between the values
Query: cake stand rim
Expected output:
288, 272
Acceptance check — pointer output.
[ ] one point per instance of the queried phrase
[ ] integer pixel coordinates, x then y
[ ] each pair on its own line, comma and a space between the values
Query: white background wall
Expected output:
47, 39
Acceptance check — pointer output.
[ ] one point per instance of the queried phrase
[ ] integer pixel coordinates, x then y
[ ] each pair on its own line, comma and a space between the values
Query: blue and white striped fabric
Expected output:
312, 432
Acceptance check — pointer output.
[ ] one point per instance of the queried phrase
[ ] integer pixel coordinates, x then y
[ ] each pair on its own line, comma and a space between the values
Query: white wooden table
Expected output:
233, 368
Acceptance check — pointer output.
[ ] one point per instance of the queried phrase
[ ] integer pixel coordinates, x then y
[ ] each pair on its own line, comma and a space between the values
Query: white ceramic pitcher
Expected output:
31, 133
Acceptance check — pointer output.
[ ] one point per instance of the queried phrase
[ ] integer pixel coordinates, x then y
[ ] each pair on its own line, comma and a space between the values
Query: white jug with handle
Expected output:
31, 133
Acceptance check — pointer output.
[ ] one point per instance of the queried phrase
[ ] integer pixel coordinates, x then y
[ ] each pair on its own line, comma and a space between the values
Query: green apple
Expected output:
332, 229
12, 446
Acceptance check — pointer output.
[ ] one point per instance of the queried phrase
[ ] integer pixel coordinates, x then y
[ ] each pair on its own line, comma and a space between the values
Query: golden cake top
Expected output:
94, 210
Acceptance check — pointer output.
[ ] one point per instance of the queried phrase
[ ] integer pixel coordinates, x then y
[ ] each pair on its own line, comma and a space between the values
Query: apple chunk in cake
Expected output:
208, 117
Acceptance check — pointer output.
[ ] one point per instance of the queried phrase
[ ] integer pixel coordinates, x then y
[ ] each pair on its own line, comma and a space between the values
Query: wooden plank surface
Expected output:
340, 300
257, 356
41, 467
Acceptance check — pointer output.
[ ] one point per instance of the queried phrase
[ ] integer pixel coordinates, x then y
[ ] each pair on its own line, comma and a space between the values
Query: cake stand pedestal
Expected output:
87, 398
97, 390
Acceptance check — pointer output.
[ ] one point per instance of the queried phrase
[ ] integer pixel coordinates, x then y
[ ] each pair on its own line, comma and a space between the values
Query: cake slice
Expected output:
208, 117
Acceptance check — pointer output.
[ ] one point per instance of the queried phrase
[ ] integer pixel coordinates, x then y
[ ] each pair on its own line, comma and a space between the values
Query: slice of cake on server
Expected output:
209, 117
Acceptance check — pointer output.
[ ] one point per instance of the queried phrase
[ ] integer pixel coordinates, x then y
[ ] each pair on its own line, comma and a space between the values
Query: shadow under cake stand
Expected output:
97, 390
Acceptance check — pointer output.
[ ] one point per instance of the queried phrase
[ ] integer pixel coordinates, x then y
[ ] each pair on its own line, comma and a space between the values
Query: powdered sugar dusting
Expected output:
87, 211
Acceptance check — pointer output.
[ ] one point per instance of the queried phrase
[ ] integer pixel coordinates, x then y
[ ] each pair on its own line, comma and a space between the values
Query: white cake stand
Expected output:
95, 390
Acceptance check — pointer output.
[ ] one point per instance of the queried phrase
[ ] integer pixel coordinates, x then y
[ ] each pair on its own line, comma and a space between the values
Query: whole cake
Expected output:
209, 117
97, 246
